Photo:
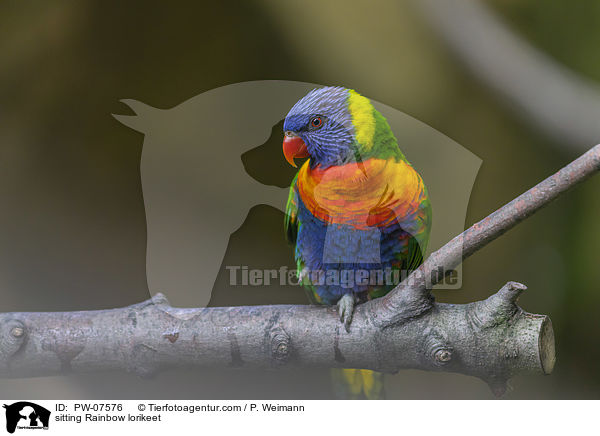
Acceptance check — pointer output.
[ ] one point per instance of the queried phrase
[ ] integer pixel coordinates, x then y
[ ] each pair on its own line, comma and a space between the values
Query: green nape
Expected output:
385, 144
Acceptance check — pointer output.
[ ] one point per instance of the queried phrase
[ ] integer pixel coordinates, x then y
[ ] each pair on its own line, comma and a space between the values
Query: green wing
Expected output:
412, 257
418, 243
290, 223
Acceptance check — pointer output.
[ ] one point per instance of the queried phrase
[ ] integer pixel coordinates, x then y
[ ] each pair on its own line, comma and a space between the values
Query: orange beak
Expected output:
294, 147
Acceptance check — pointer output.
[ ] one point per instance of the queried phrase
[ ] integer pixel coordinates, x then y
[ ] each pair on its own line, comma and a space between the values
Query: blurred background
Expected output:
514, 82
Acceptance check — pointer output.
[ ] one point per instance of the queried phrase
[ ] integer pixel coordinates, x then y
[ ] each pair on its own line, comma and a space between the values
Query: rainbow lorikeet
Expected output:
357, 210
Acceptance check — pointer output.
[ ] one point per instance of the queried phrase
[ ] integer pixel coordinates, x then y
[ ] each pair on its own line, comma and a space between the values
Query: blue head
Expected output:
320, 126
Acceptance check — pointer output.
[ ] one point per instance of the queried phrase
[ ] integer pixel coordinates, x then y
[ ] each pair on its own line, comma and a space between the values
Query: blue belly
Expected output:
333, 253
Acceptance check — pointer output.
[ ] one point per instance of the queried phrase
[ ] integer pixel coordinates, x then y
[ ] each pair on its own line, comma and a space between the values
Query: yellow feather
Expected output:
352, 377
361, 111
368, 380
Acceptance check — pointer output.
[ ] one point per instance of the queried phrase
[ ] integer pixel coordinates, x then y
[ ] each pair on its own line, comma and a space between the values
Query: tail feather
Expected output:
357, 384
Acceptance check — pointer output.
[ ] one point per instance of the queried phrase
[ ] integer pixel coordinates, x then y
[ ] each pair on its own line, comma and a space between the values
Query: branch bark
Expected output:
492, 339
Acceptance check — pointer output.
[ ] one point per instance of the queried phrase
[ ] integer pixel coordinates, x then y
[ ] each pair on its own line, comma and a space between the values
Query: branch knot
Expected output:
12, 337
280, 346
498, 308
437, 349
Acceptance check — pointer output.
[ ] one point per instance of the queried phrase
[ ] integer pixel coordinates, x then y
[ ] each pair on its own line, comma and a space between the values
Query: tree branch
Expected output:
492, 339
412, 295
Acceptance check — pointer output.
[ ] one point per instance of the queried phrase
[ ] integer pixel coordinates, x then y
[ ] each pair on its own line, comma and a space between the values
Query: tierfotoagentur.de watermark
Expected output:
242, 275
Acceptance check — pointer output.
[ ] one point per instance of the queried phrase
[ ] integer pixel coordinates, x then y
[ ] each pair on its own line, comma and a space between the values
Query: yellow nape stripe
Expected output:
362, 117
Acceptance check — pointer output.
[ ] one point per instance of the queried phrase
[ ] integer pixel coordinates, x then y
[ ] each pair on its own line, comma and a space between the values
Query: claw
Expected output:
346, 310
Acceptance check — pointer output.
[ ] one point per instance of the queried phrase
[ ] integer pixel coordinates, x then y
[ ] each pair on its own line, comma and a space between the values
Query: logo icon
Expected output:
26, 415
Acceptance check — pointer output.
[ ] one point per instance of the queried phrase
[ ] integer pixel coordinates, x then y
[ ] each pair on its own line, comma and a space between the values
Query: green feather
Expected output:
290, 223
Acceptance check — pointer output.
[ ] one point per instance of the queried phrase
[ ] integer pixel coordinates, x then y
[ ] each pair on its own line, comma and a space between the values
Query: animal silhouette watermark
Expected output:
197, 191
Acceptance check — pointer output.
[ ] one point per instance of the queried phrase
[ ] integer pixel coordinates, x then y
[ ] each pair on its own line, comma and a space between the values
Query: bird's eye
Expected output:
316, 122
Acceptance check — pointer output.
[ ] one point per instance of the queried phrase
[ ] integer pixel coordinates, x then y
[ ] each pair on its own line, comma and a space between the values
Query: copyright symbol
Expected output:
141, 407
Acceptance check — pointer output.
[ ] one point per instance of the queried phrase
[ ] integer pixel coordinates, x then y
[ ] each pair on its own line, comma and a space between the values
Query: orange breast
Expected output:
371, 193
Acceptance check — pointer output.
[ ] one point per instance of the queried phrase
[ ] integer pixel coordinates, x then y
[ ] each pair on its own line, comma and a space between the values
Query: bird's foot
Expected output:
302, 275
346, 310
